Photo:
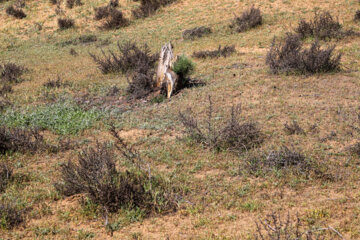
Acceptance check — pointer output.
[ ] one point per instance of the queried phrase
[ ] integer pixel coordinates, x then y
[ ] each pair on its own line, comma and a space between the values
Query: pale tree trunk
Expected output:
164, 73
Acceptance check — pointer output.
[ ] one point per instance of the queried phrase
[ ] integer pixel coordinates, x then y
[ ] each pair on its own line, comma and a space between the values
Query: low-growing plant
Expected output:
149, 7
6, 175
234, 135
61, 118
10, 216
71, 3
286, 159
221, 52
20, 140
101, 12
142, 82
355, 149
114, 3
275, 227
357, 15
56, 83
73, 52
129, 58
65, 23
5, 89
289, 56
11, 73
249, 19
293, 128
15, 12
322, 27
53, 2
196, 32
115, 20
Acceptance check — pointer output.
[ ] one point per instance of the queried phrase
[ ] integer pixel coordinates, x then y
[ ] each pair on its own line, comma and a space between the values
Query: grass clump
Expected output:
115, 20
322, 27
230, 135
289, 56
20, 140
97, 176
357, 15
61, 118
130, 57
149, 7
220, 52
71, 3
56, 83
15, 12
196, 32
293, 128
65, 23
10, 216
249, 19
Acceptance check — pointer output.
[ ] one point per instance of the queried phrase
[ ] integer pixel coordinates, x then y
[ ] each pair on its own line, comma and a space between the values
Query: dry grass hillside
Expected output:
82, 159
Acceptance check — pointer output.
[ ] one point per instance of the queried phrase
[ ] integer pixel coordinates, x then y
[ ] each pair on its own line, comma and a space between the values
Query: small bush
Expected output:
293, 128
234, 136
287, 159
221, 52
288, 56
11, 73
275, 227
115, 20
19, 140
101, 12
197, 32
355, 149
73, 52
129, 58
57, 83
142, 82
357, 15
248, 19
114, 3
5, 89
53, 2
15, 12
10, 217
113, 91
149, 7
96, 175
65, 23
322, 27
184, 67
6, 175
71, 3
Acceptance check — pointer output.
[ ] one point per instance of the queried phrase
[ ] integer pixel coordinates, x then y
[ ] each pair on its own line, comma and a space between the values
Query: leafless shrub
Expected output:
15, 12
142, 82
293, 128
65, 23
20, 3
71, 3
149, 7
289, 56
322, 27
102, 12
221, 52
234, 136
73, 52
97, 176
10, 216
56, 83
115, 20
5, 89
19, 140
286, 158
114, 3
197, 32
6, 175
274, 227
129, 58
11, 73
357, 15
4, 104
248, 19
113, 91
53, 2
355, 149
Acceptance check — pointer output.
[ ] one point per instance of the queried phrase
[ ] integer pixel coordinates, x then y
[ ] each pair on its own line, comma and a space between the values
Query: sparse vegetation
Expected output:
357, 15
293, 128
196, 32
115, 20
129, 58
15, 12
11, 73
56, 83
6, 175
65, 23
234, 135
249, 19
289, 56
71, 3
221, 52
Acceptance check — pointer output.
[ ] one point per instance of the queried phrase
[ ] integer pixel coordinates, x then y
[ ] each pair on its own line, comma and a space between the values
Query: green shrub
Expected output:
184, 66
61, 118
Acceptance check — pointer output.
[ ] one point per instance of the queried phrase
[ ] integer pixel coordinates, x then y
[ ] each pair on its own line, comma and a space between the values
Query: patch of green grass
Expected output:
61, 118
